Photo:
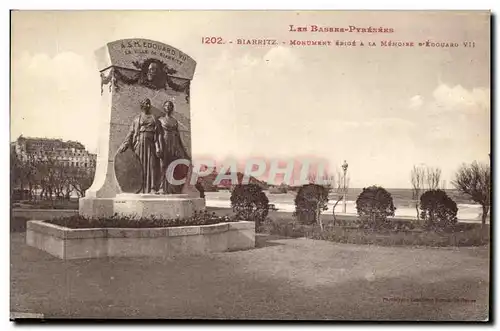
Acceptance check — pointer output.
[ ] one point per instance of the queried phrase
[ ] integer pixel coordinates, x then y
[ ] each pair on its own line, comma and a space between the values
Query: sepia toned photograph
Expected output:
293, 165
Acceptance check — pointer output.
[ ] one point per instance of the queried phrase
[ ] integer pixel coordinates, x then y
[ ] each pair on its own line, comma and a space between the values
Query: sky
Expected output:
383, 109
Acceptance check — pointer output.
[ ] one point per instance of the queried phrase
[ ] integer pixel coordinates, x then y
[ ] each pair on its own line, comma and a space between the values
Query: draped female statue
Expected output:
172, 149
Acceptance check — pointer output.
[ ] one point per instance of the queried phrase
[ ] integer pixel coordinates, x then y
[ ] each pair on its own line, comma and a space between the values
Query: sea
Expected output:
403, 201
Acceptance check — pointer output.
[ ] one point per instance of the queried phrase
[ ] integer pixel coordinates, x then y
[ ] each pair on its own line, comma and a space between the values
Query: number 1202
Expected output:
211, 40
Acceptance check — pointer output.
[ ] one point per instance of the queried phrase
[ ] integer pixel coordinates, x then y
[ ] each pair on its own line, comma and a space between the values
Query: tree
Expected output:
31, 166
250, 203
47, 172
310, 201
438, 210
417, 183
374, 204
81, 179
17, 175
16, 170
62, 183
339, 187
423, 177
432, 178
47, 176
474, 180
341, 190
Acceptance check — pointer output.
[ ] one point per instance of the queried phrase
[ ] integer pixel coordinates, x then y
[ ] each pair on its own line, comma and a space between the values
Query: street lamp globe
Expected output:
344, 166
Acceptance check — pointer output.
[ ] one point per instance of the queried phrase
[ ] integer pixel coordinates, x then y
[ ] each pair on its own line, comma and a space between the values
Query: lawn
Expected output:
280, 279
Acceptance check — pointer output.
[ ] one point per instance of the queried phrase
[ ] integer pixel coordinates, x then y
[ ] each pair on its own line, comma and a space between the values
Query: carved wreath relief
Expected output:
153, 74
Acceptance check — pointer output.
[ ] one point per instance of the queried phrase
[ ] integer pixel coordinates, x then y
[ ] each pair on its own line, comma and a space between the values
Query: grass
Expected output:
474, 237
285, 279
464, 234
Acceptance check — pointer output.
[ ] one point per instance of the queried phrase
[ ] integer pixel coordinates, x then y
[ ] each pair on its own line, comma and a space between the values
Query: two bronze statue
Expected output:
157, 143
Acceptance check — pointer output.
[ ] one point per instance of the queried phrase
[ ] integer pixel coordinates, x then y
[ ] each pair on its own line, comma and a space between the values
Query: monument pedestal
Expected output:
93, 207
142, 205
132, 71
159, 206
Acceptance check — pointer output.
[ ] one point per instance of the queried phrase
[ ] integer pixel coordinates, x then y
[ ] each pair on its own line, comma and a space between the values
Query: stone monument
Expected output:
144, 127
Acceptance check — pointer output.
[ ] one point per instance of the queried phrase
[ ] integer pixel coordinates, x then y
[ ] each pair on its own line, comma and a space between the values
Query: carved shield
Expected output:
128, 171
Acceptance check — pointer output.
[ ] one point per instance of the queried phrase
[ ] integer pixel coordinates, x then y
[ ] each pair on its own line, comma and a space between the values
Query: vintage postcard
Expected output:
250, 165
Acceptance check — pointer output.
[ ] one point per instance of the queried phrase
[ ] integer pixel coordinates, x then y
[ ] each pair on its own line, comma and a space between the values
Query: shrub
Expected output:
374, 204
438, 210
250, 203
310, 200
287, 229
402, 225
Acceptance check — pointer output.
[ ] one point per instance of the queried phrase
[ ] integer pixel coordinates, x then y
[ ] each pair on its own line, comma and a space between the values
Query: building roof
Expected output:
50, 142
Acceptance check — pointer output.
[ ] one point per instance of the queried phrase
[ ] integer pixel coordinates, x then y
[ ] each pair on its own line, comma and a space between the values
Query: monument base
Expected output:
95, 207
156, 205
142, 205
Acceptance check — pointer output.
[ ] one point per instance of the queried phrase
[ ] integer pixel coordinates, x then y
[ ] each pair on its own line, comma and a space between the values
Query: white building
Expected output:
69, 153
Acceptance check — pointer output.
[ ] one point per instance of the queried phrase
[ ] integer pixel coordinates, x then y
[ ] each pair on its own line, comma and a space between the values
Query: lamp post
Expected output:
344, 167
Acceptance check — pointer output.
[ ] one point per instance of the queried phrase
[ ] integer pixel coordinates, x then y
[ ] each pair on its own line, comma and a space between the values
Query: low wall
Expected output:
67, 243
43, 214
